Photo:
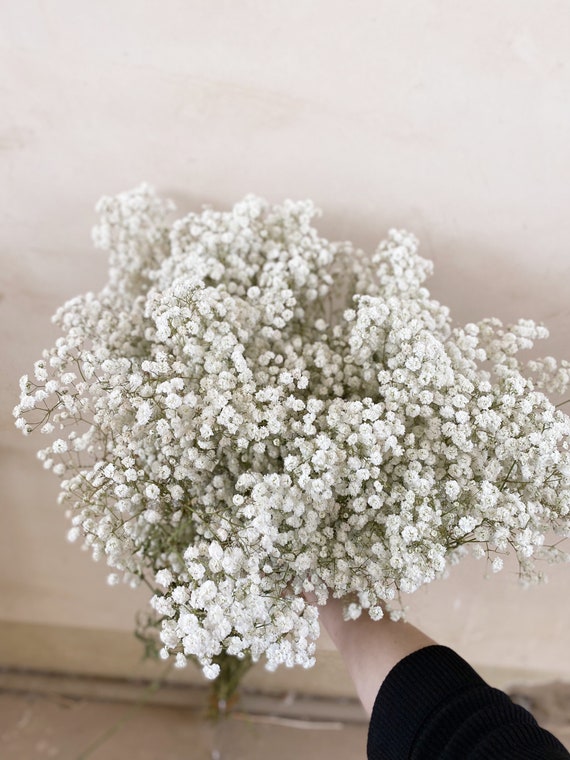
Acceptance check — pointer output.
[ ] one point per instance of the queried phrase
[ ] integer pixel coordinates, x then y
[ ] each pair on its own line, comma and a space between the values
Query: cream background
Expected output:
450, 119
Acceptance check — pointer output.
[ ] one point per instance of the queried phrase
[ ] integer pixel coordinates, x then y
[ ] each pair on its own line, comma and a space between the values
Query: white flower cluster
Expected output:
247, 412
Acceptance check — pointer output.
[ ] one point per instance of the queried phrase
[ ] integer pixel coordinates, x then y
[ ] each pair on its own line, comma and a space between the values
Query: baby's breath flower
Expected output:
164, 577
248, 411
152, 491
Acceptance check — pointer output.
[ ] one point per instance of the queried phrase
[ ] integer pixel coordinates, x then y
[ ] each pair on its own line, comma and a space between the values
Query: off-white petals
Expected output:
247, 407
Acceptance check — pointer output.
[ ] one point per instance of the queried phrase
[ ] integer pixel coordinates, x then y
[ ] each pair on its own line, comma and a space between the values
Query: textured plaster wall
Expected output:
450, 119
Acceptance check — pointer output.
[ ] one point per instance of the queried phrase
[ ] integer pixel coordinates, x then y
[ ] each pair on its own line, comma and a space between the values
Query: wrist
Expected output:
369, 648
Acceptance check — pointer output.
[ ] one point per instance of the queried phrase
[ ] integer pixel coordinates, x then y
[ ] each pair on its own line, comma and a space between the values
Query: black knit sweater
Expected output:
434, 706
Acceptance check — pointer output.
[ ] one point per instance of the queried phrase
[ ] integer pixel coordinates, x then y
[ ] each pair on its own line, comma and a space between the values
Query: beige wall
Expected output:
451, 119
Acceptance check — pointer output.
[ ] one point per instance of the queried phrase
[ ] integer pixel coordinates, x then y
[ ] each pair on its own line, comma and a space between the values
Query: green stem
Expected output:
225, 686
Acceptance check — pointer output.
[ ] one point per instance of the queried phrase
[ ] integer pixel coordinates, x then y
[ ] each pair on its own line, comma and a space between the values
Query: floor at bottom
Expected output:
40, 727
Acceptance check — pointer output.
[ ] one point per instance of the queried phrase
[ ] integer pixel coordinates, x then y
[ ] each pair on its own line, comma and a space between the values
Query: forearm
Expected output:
370, 649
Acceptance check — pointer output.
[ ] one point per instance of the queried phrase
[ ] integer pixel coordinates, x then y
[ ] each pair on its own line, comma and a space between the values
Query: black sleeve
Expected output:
434, 706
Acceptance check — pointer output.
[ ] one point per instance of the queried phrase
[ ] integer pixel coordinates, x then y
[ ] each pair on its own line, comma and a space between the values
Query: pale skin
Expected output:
369, 648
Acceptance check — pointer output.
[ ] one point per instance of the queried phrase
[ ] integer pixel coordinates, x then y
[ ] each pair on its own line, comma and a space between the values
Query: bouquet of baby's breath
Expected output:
247, 412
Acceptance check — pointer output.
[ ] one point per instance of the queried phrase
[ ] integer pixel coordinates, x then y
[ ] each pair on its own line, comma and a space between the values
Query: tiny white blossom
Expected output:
164, 577
211, 671
152, 491
497, 564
